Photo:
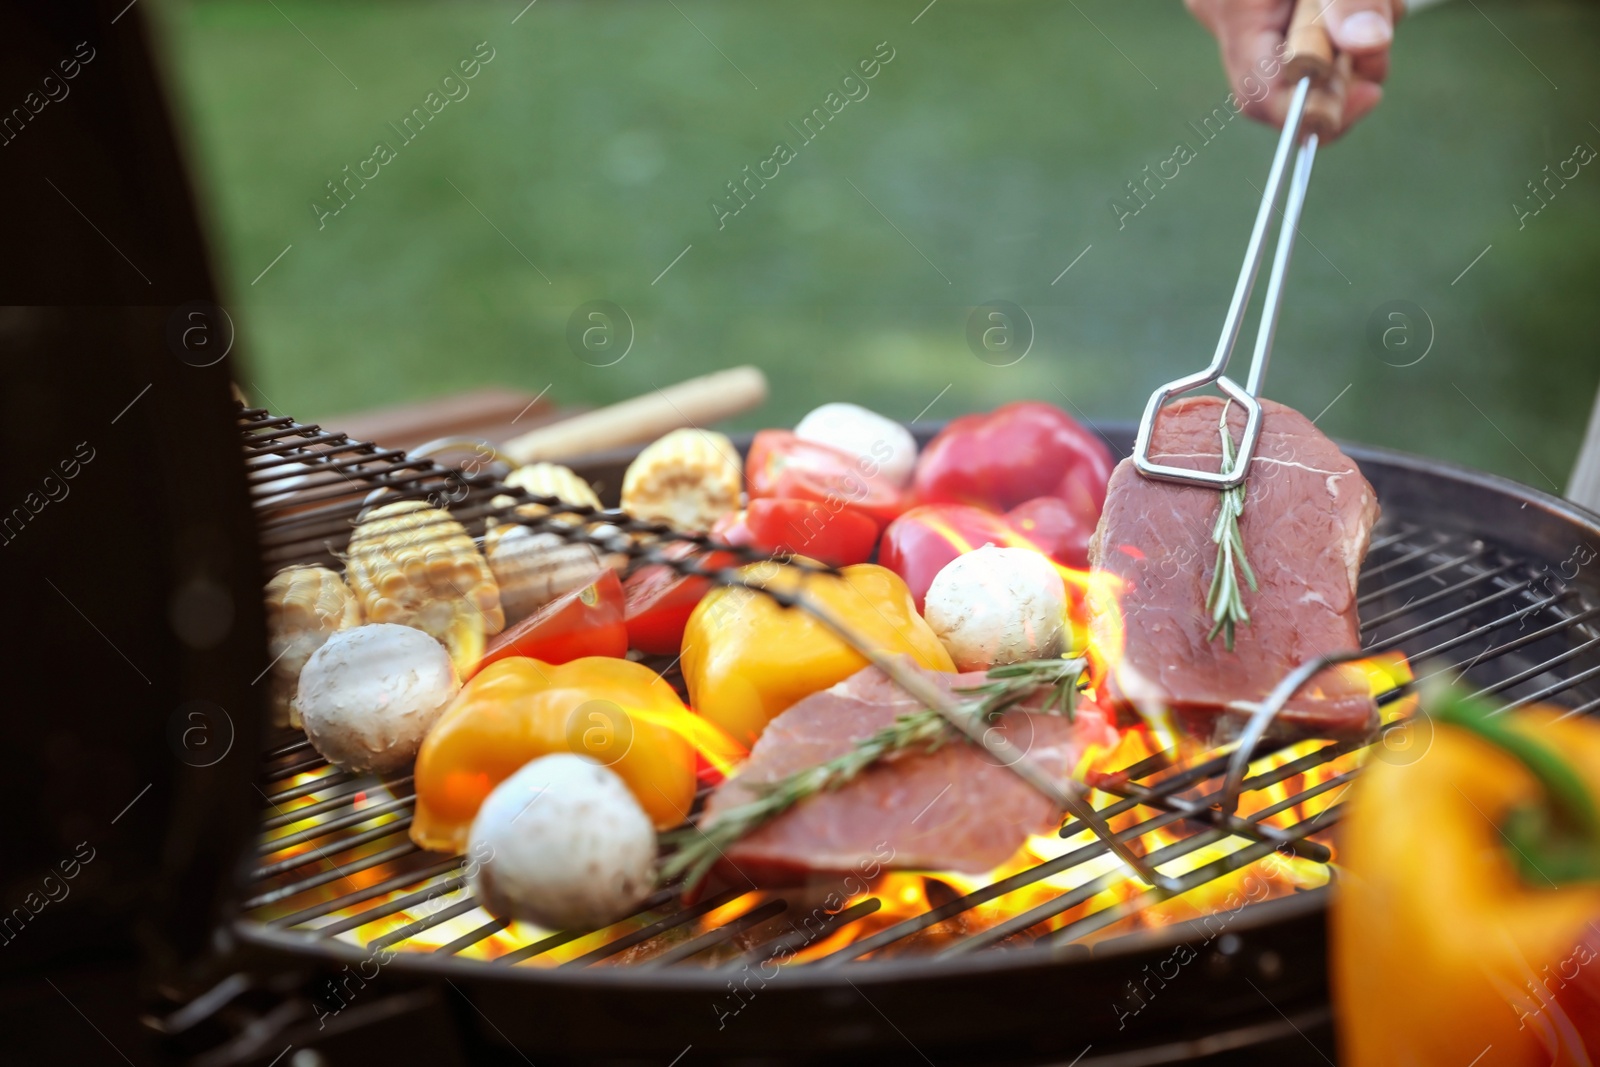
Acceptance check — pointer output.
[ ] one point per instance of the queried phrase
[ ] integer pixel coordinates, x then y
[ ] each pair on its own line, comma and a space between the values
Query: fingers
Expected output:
1250, 34
1372, 68
1360, 27
1360, 97
1364, 30
1253, 58
1250, 37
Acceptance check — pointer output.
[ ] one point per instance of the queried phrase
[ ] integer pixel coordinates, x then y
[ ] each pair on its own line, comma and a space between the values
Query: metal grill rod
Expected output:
361, 896
295, 815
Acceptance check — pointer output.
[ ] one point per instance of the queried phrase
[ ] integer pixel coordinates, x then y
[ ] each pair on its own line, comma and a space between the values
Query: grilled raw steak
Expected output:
952, 809
1307, 519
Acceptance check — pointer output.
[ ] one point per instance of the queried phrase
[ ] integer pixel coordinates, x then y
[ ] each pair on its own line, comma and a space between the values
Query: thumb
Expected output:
1360, 27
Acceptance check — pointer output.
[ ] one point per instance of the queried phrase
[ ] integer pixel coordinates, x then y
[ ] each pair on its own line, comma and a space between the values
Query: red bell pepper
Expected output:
812, 529
584, 622
919, 544
1055, 528
1013, 454
785, 467
659, 600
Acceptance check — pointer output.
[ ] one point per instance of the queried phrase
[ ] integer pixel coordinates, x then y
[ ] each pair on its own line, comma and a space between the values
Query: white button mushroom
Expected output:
865, 434
369, 694
996, 606
564, 845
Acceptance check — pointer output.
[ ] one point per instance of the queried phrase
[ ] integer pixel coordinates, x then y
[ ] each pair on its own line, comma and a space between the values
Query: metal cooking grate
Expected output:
335, 861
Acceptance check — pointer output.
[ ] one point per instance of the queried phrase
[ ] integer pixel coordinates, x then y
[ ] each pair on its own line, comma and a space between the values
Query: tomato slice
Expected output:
813, 529
585, 622
659, 600
782, 466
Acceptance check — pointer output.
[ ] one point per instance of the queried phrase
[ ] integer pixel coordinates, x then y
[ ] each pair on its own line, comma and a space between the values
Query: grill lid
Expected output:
127, 547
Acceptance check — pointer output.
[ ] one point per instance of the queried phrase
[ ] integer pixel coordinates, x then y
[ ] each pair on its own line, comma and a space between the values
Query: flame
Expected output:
1091, 595
717, 748
900, 894
1280, 797
907, 894
1385, 672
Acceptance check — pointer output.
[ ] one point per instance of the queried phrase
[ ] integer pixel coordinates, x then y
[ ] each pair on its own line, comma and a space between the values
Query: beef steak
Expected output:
955, 808
1308, 517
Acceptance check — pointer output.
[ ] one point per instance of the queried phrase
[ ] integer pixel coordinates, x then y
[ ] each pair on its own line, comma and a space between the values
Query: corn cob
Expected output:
532, 567
305, 606
688, 479
545, 567
415, 565
550, 479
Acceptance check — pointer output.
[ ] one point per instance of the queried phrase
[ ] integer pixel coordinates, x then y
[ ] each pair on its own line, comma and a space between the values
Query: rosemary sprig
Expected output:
699, 848
1016, 682
1225, 601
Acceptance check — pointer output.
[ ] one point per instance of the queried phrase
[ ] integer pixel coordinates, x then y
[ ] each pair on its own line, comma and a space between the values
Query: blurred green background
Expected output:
981, 164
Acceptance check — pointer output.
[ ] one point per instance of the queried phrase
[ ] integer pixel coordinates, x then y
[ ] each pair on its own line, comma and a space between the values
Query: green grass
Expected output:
994, 141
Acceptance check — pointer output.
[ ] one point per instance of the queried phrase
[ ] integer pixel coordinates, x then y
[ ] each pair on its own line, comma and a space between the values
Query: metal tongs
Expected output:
1317, 108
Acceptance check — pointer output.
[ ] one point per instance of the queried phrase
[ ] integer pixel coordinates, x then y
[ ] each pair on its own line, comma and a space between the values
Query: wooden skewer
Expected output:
696, 402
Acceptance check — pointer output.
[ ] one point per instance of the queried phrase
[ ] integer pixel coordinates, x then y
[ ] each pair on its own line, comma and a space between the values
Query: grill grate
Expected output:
335, 862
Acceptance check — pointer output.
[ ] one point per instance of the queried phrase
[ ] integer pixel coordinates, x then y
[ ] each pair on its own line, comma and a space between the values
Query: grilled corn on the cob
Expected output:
688, 479
415, 565
305, 606
550, 479
532, 567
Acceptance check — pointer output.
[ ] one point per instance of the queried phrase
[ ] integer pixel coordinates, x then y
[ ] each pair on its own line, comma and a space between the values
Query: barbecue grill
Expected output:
248, 904
336, 885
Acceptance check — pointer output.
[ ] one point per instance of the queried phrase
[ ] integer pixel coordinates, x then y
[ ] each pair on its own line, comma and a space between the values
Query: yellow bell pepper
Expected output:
746, 658
619, 713
1466, 924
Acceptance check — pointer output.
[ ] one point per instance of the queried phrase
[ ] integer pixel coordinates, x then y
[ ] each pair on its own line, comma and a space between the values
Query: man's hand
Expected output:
1251, 34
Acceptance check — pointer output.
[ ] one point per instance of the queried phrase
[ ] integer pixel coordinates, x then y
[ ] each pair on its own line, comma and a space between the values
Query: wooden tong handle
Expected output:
1311, 54
696, 402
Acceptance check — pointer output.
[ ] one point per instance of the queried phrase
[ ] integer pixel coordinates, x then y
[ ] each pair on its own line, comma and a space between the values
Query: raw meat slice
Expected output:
1308, 517
956, 808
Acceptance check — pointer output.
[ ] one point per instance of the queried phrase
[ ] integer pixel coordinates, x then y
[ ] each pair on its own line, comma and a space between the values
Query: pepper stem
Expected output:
1557, 838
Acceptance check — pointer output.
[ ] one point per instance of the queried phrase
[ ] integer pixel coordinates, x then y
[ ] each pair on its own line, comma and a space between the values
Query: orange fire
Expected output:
1102, 885
718, 749
1090, 594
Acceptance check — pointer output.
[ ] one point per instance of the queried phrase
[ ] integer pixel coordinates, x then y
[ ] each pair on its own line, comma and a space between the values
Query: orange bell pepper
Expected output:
619, 713
746, 658
1466, 924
